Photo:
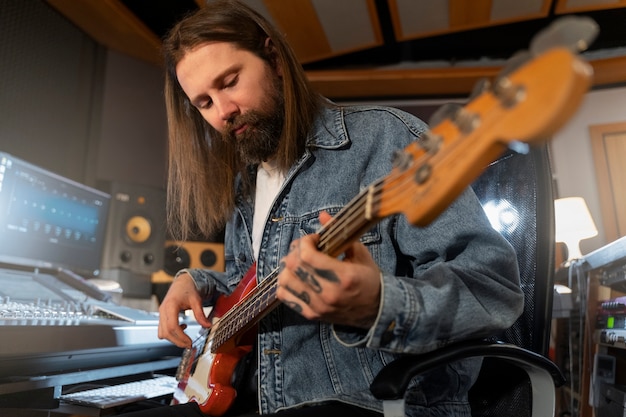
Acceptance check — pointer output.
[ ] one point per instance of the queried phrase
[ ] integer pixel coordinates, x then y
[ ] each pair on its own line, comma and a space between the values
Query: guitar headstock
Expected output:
526, 103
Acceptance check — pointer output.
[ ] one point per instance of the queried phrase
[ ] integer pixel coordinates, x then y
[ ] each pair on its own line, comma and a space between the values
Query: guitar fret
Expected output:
346, 226
246, 311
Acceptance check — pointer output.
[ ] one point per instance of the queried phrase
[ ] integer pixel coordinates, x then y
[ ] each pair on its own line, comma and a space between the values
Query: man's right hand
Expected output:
182, 295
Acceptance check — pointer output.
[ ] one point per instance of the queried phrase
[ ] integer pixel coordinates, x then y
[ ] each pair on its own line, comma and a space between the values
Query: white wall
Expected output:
572, 155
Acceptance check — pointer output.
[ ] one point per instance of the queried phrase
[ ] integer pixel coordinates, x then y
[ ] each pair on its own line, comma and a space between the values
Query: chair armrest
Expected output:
393, 380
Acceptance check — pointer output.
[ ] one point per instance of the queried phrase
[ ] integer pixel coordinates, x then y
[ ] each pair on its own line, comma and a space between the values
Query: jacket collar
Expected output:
329, 129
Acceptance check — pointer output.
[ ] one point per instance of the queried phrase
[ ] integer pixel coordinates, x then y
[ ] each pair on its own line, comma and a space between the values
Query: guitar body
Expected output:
207, 379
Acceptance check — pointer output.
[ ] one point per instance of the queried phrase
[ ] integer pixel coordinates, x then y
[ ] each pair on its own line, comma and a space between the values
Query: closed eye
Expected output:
204, 104
231, 82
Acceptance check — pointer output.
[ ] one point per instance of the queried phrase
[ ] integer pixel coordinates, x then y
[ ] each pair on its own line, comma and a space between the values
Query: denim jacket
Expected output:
453, 279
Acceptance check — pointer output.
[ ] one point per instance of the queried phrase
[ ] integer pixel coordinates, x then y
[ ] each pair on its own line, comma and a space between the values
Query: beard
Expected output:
260, 141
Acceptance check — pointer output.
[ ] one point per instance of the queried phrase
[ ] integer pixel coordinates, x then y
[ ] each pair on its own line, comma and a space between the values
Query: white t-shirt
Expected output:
269, 179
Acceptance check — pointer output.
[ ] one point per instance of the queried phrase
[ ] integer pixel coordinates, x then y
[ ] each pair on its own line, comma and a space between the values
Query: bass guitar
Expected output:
523, 106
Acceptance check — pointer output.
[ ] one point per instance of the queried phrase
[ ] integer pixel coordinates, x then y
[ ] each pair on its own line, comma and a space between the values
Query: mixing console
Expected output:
50, 323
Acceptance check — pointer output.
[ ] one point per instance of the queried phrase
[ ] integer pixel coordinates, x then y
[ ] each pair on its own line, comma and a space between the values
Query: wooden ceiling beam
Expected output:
609, 71
431, 82
469, 14
299, 21
111, 24
382, 83
564, 6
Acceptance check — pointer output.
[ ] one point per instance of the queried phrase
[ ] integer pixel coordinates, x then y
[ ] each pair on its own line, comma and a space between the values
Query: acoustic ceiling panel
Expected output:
349, 25
421, 18
415, 18
507, 10
319, 29
590, 4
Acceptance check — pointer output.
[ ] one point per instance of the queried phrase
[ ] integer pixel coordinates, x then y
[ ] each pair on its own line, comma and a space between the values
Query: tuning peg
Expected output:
508, 93
481, 86
514, 63
457, 114
401, 160
446, 111
573, 32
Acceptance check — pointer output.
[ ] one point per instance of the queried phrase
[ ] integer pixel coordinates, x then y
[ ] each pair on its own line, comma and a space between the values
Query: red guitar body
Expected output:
207, 377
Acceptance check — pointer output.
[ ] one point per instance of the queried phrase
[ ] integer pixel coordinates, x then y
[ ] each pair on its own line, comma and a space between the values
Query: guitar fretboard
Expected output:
246, 312
345, 227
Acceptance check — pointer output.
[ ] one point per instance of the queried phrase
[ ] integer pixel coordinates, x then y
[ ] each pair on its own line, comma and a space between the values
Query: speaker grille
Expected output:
181, 255
176, 258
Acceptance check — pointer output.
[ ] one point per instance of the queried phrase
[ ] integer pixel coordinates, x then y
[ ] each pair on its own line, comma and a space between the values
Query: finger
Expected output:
301, 298
308, 278
357, 253
170, 329
325, 217
180, 338
297, 301
199, 315
303, 291
302, 251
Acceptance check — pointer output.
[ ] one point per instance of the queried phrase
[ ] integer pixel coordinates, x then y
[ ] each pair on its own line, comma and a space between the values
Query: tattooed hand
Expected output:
321, 287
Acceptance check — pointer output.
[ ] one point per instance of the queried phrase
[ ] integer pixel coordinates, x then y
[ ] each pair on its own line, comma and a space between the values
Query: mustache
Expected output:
250, 119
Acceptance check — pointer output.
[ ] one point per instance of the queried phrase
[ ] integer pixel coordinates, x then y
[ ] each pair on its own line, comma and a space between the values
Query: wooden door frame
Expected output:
603, 177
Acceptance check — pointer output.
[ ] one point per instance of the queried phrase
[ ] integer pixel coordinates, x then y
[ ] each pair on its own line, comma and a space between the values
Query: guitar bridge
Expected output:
188, 359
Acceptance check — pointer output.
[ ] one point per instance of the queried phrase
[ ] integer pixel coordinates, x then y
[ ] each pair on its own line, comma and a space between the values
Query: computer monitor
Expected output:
47, 220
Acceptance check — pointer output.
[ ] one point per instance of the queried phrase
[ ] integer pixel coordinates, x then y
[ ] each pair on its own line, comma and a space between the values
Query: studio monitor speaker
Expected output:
135, 236
181, 255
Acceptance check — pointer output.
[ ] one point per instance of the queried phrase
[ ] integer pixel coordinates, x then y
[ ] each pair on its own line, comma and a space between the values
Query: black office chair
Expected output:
516, 378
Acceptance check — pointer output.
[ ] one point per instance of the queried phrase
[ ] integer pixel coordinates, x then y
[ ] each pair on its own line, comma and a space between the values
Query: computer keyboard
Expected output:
125, 393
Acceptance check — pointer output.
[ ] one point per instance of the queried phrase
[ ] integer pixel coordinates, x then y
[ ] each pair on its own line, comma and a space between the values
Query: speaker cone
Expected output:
138, 229
176, 258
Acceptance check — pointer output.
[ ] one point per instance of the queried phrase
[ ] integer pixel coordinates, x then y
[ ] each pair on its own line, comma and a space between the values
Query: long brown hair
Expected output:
202, 171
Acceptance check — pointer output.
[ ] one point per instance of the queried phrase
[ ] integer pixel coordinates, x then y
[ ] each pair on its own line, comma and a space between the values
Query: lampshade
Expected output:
573, 224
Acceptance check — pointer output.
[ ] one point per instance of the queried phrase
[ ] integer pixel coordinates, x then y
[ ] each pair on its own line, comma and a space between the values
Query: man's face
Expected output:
238, 94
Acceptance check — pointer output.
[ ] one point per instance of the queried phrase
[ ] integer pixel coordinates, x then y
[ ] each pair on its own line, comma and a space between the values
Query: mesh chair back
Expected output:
516, 192
518, 189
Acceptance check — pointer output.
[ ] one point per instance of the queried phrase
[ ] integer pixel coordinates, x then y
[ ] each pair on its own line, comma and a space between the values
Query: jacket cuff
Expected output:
202, 285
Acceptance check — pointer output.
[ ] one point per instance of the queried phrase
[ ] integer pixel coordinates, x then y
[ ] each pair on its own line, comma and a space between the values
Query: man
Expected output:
255, 150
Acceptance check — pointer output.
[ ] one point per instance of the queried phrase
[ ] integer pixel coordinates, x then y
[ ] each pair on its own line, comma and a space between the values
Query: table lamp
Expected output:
573, 224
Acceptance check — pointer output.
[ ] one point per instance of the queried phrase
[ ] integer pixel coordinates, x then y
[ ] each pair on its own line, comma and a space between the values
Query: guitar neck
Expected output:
429, 174
351, 222
343, 229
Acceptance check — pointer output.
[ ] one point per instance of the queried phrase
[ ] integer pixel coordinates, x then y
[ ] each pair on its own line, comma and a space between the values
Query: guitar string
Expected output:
396, 181
328, 240
232, 320
237, 316
227, 325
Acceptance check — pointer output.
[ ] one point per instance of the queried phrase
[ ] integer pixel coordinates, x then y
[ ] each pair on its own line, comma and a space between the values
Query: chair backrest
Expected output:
516, 192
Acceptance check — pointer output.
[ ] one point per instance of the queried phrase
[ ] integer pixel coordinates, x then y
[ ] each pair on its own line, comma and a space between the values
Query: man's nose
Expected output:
226, 109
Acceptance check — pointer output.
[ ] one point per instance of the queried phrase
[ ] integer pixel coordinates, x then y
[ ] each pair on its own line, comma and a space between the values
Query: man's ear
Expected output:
273, 56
